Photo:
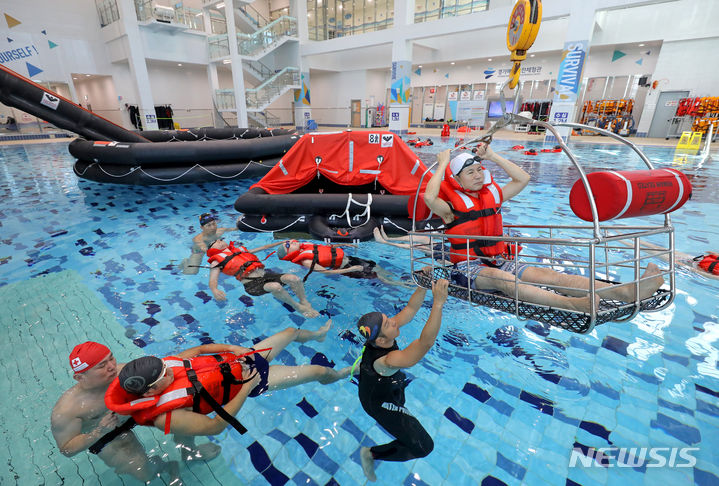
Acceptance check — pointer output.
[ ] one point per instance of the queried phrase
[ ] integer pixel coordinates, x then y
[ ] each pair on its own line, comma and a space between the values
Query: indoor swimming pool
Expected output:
506, 401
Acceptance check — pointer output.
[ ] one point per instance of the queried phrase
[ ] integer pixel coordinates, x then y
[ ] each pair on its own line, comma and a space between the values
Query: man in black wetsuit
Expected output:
382, 384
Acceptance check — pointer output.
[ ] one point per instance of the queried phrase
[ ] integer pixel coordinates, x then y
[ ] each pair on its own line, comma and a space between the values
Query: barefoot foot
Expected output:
367, 464
648, 287
332, 375
202, 452
322, 331
307, 311
378, 236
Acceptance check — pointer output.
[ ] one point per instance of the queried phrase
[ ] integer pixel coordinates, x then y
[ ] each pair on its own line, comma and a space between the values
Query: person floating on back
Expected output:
331, 259
382, 383
176, 393
243, 264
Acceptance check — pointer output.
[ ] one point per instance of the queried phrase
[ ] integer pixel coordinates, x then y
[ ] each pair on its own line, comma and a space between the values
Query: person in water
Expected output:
81, 421
165, 393
469, 202
241, 263
201, 242
382, 383
331, 259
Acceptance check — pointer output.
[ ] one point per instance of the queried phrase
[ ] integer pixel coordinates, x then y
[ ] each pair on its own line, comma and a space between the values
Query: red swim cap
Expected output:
86, 355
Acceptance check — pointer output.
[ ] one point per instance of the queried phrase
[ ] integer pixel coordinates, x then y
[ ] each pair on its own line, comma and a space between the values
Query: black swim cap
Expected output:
207, 218
138, 374
369, 325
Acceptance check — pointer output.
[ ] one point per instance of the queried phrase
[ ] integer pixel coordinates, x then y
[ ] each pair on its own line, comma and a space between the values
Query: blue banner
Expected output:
570, 70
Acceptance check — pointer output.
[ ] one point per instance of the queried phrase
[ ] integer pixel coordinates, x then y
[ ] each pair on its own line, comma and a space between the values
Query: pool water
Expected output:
506, 401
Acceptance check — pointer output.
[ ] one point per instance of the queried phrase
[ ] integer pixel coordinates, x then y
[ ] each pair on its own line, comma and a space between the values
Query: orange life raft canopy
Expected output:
336, 186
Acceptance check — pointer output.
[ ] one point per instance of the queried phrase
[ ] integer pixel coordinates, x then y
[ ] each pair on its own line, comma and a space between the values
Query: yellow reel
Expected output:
522, 30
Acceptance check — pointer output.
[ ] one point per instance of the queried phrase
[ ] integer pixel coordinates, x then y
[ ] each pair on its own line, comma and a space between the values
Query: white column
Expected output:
401, 73
302, 108
574, 57
298, 10
238, 76
138, 67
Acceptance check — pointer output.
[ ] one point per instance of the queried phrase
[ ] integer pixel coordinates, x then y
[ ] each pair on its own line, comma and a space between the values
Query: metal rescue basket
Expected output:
595, 251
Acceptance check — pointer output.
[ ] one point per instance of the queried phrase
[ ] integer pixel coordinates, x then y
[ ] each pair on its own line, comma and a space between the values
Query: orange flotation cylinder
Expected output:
445, 130
631, 193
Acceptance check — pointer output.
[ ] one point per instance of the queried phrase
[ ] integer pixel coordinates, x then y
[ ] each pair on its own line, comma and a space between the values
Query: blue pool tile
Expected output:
279, 436
302, 479
685, 433
544, 405
704, 478
605, 390
616, 345
511, 467
492, 481
203, 296
323, 461
261, 461
150, 321
595, 429
411, 480
706, 390
307, 444
673, 406
707, 408
651, 379
350, 427
550, 377
682, 360
322, 360
463, 423
502, 407
476, 392
559, 415
307, 408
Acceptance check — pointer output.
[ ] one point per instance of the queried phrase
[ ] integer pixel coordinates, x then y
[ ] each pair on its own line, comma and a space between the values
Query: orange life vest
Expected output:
220, 375
324, 255
234, 261
479, 216
709, 263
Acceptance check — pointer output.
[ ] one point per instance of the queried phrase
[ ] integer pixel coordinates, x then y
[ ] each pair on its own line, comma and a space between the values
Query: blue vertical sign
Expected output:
570, 71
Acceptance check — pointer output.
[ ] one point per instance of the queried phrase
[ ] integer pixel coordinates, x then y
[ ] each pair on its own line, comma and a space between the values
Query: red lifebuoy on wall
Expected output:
632, 193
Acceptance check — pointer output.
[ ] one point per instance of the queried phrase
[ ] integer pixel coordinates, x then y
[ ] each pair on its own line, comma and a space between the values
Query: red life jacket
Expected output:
219, 374
709, 263
324, 255
479, 216
234, 261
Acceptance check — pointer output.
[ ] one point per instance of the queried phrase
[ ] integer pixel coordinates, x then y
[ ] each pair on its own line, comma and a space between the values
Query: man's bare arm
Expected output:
413, 306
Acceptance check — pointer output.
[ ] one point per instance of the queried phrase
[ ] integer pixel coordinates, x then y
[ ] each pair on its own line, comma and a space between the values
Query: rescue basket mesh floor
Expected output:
579, 322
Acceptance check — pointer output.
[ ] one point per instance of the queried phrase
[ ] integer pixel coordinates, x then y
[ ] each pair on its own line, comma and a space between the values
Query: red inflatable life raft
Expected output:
518, 147
632, 193
530, 152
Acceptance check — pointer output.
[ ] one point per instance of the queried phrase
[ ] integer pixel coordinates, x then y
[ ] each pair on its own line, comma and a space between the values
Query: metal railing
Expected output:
588, 250
259, 70
461, 7
253, 44
149, 10
260, 97
107, 12
263, 119
255, 17
219, 46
